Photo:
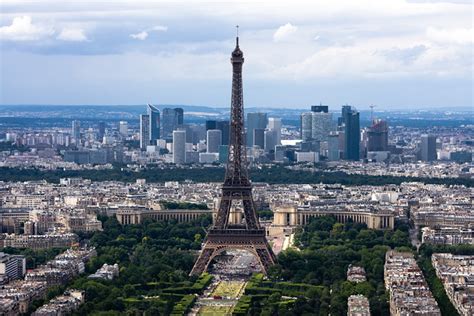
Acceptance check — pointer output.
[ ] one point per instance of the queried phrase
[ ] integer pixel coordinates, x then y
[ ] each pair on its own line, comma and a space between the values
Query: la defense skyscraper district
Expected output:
225, 235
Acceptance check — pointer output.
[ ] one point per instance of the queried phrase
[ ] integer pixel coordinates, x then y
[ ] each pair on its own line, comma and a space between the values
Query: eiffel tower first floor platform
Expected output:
220, 240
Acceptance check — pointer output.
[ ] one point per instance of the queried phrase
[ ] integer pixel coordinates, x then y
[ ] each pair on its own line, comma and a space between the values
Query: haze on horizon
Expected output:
392, 53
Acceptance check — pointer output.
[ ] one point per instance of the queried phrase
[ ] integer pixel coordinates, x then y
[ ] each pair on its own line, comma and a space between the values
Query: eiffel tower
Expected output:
224, 235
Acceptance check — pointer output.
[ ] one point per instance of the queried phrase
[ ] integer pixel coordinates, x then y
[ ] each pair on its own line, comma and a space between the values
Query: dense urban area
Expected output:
145, 171
107, 217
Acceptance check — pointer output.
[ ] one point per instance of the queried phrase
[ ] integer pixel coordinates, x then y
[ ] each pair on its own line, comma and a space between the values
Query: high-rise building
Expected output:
320, 125
269, 140
306, 126
274, 124
377, 136
428, 148
223, 126
123, 128
144, 131
100, 130
179, 147
211, 124
351, 134
259, 137
171, 119
154, 115
345, 109
255, 120
333, 146
76, 130
198, 133
317, 124
214, 140
320, 108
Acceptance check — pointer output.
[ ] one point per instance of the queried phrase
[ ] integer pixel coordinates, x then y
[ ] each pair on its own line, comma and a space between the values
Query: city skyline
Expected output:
331, 183
333, 53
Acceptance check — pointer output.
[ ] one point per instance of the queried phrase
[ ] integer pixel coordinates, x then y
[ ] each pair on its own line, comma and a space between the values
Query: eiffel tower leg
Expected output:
203, 261
266, 258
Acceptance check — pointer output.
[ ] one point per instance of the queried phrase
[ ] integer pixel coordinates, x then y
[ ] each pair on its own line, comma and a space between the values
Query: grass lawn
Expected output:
228, 289
215, 310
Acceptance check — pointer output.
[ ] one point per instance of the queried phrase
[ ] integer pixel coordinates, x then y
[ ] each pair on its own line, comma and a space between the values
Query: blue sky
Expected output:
391, 53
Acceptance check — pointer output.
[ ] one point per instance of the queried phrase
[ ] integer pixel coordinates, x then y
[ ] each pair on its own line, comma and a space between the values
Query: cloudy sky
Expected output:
391, 53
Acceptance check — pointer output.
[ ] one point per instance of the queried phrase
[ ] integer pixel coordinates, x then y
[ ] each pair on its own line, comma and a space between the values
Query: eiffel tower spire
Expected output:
236, 173
248, 235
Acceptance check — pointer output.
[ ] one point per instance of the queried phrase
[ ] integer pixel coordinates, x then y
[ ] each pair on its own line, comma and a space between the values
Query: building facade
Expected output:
428, 148
255, 120
144, 131
351, 135
154, 121
214, 140
179, 147
171, 119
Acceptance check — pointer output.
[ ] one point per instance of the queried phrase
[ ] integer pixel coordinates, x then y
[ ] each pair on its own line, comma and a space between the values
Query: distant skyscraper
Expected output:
179, 147
76, 130
171, 119
123, 128
223, 126
259, 137
214, 140
255, 120
351, 134
377, 135
345, 109
101, 130
198, 133
320, 125
270, 141
306, 126
317, 124
333, 146
211, 124
320, 108
428, 148
154, 115
144, 131
275, 125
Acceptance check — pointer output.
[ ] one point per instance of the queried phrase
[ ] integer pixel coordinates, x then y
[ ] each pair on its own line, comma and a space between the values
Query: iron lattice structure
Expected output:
223, 235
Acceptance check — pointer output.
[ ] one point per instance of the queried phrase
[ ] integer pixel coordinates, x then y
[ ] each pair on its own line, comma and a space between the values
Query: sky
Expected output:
394, 54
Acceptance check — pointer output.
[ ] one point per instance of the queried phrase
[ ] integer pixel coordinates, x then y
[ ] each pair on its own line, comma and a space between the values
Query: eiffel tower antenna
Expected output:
225, 234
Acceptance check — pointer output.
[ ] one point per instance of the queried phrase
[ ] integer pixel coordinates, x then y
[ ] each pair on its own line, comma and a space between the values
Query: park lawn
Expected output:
215, 310
229, 289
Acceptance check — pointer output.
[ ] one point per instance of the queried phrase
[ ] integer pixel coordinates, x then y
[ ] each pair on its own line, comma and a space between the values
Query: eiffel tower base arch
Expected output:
218, 241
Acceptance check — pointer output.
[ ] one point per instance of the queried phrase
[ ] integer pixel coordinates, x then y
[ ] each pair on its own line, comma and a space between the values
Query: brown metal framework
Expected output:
250, 235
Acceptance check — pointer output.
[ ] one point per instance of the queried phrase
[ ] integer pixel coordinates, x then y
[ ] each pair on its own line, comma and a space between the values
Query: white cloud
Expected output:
457, 36
159, 28
144, 34
284, 32
72, 35
22, 29
140, 36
